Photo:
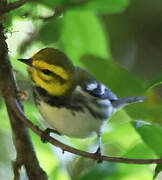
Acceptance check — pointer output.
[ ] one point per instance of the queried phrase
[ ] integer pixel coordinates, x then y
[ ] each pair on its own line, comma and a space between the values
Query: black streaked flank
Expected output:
77, 103
87, 103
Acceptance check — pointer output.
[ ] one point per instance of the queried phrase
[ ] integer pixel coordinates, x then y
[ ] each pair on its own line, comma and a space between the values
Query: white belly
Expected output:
67, 122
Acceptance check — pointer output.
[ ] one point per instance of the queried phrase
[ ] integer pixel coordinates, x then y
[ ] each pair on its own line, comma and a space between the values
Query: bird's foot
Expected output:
47, 132
98, 155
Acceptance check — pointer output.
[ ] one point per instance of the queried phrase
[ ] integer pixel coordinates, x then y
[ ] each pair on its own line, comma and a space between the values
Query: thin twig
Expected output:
5, 8
57, 11
20, 114
15, 5
62, 9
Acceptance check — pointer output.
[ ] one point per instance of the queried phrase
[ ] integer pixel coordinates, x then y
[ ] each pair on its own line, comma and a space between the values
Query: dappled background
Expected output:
120, 43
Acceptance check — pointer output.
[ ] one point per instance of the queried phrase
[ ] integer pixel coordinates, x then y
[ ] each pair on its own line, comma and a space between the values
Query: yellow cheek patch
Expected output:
55, 69
57, 89
54, 87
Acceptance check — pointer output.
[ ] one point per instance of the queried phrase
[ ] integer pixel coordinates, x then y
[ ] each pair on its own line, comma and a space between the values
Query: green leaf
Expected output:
158, 169
106, 6
151, 135
114, 76
55, 173
100, 171
82, 33
146, 111
155, 82
50, 32
135, 171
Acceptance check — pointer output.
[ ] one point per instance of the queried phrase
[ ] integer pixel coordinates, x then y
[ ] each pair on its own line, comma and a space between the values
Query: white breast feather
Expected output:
80, 125
76, 123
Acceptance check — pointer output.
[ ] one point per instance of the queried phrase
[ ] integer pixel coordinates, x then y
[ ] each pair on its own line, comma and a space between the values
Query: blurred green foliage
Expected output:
80, 32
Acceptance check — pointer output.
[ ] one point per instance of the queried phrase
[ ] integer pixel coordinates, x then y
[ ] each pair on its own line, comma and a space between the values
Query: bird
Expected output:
69, 98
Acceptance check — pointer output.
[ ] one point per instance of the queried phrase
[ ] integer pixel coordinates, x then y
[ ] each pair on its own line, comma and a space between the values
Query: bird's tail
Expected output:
121, 102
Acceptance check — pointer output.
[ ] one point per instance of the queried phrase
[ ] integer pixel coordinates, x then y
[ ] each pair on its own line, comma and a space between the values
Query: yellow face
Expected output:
55, 78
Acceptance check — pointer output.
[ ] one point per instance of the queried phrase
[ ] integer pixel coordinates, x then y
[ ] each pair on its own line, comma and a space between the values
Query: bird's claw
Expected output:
98, 155
46, 133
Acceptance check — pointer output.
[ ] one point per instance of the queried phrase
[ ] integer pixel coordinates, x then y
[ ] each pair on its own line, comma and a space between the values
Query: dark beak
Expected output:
27, 61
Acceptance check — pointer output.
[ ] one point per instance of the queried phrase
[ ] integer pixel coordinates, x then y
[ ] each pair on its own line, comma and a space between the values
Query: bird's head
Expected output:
51, 70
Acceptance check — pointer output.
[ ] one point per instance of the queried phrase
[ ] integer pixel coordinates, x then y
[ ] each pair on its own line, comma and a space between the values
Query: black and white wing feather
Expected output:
90, 85
98, 98
99, 90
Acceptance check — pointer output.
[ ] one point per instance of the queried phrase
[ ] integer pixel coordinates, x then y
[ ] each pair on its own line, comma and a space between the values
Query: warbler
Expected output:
69, 98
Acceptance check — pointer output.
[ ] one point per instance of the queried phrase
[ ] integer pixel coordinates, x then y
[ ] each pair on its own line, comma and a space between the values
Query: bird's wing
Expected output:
98, 89
89, 84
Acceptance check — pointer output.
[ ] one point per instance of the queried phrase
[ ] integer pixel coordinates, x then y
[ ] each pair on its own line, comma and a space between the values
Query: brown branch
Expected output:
16, 108
25, 152
57, 11
11, 6
24, 148
15, 5
62, 9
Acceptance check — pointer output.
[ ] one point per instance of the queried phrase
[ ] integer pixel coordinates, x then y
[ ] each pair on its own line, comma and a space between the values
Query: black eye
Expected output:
46, 71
